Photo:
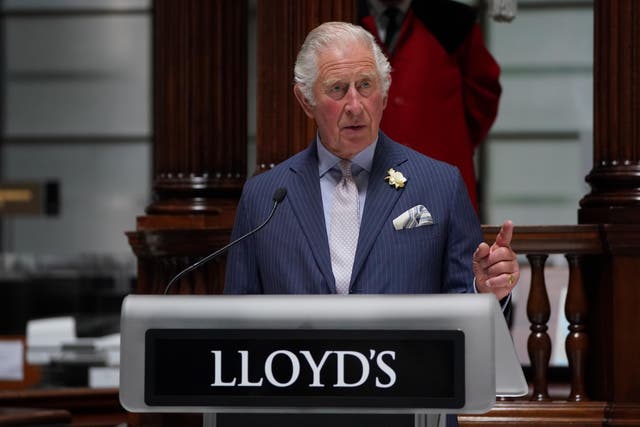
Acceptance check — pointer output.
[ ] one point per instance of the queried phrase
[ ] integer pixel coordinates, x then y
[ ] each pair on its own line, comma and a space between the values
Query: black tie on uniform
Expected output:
392, 25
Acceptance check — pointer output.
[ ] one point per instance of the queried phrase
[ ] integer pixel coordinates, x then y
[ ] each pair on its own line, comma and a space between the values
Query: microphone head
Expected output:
279, 194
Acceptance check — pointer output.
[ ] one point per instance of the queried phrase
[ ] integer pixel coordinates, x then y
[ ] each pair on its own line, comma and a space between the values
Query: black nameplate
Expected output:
304, 368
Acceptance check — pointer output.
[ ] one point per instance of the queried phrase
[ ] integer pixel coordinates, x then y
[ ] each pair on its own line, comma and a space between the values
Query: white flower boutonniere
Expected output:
395, 178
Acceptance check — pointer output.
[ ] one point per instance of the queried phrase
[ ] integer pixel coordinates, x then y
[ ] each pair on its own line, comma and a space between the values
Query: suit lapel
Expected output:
381, 199
306, 203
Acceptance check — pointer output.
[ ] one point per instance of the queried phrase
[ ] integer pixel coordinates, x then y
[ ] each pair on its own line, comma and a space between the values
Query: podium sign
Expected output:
304, 368
394, 354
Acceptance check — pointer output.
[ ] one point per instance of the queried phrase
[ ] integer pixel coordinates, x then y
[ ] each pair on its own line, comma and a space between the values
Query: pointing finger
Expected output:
505, 235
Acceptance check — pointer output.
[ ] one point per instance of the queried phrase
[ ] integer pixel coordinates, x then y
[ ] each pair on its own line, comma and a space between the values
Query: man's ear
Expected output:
304, 102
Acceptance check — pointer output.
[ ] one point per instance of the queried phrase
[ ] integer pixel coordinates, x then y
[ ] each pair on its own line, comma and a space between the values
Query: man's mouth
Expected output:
354, 127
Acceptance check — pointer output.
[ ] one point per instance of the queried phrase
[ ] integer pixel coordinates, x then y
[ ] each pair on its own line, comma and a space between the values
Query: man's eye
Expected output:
336, 91
365, 87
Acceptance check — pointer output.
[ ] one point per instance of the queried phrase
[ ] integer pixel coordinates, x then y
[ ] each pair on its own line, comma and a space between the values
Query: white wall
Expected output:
540, 148
77, 110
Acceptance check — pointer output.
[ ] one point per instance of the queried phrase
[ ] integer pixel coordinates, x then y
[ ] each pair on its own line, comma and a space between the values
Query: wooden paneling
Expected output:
283, 129
200, 104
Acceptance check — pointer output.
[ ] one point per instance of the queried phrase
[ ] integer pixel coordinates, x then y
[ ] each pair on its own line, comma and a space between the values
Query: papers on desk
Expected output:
11, 360
46, 336
104, 377
54, 341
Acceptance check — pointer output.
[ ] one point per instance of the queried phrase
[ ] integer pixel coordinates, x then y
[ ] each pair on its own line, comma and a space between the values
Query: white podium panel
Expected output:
402, 354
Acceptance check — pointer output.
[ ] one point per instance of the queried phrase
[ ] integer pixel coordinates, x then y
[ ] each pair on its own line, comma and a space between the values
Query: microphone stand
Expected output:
278, 196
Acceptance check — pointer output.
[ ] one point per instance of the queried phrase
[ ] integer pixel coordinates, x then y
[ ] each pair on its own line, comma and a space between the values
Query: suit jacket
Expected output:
445, 84
291, 254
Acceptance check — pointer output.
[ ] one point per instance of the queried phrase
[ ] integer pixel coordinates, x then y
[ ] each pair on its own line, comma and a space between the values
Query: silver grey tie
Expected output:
345, 227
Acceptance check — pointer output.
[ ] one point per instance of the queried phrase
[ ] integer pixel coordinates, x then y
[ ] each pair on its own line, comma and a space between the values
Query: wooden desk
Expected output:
87, 407
34, 417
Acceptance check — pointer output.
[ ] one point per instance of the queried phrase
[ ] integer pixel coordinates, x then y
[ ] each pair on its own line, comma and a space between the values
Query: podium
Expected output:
419, 356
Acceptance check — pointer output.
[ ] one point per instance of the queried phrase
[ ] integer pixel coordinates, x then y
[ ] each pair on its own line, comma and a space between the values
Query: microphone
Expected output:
278, 196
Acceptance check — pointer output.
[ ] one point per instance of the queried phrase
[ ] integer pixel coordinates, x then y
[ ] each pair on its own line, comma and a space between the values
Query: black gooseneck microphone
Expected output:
278, 196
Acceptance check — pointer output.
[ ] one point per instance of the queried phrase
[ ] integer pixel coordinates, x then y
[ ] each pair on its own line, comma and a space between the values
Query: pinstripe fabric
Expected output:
291, 254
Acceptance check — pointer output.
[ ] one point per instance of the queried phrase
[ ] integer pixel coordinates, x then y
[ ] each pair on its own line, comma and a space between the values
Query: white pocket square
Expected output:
417, 216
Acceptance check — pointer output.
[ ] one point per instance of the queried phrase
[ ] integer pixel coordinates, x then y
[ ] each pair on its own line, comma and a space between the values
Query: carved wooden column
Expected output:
614, 202
200, 141
615, 177
200, 106
282, 128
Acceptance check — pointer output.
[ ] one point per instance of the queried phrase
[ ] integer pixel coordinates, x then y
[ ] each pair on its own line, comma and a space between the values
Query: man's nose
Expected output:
353, 100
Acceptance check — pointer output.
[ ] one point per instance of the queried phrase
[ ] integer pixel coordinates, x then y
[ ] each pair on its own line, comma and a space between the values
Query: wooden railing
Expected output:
577, 243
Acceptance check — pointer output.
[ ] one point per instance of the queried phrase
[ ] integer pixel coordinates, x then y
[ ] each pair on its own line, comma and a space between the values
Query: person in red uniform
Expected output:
445, 83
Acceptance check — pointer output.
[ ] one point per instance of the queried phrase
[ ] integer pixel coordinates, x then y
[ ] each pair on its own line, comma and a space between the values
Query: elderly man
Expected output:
363, 214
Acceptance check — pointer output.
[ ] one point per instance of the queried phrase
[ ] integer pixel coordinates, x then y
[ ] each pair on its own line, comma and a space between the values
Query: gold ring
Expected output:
511, 279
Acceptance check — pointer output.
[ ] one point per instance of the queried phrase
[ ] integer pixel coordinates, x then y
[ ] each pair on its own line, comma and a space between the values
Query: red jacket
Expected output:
440, 103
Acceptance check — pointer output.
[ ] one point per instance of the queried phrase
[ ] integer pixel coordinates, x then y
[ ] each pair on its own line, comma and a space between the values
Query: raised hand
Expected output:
496, 267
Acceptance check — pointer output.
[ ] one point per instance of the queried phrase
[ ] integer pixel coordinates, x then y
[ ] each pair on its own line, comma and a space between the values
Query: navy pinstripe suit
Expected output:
291, 254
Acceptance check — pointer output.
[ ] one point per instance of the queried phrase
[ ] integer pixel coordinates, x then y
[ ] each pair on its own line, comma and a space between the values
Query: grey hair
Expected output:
335, 34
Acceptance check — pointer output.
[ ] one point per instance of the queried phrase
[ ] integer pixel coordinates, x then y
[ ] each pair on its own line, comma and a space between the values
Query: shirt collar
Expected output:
327, 160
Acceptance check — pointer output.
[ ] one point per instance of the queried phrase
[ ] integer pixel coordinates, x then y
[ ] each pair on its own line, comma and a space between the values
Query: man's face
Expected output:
349, 101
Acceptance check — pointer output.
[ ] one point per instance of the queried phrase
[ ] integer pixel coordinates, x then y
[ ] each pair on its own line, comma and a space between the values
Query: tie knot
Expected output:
345, 168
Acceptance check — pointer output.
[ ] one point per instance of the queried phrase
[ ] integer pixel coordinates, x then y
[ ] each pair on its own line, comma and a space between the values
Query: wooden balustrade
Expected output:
575, 243
535, 243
